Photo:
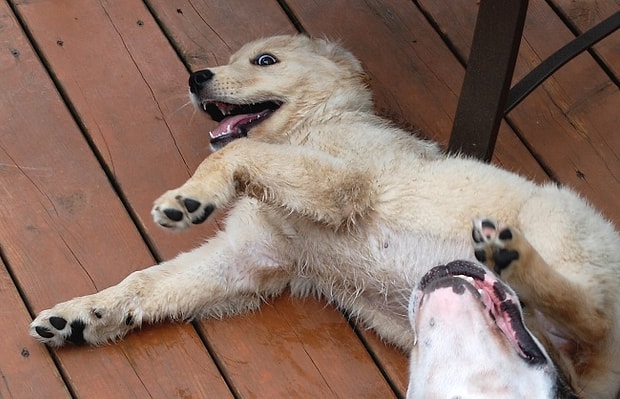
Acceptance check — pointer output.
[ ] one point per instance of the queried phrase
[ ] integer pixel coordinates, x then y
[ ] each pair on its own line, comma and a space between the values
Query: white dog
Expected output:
325, 197
472, 341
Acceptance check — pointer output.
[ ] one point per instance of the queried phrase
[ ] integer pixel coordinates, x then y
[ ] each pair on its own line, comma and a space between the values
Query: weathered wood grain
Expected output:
297, 348
569, 122
66, 233
584, 14
26, 367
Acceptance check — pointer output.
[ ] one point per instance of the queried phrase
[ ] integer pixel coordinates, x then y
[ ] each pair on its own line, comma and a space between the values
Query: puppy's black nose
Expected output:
198, 79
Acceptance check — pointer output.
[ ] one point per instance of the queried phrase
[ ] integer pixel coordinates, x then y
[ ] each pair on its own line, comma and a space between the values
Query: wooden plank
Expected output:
26, 367
392, 360
584, 14
59, 242
576, 131
570, 121
133, 105
316, 352
206, 33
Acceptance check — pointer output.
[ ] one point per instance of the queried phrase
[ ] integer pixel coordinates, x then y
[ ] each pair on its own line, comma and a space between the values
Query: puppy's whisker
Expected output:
192, 116
182, 106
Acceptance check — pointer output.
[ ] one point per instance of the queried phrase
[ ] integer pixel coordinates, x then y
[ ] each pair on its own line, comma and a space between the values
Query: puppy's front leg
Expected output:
298, 180
229, 274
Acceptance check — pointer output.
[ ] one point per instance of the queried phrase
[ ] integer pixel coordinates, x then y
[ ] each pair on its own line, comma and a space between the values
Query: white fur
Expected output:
460, 353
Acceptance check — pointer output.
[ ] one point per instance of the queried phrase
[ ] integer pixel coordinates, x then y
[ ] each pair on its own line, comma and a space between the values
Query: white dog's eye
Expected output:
265, 60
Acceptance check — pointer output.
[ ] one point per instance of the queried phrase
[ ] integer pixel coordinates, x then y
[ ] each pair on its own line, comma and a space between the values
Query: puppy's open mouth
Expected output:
236, 120
501, 304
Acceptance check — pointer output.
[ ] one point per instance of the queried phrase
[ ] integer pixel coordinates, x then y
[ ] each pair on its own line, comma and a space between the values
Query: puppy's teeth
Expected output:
211, 135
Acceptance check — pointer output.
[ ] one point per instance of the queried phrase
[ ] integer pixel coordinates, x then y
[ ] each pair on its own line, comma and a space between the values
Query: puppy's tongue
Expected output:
232, 124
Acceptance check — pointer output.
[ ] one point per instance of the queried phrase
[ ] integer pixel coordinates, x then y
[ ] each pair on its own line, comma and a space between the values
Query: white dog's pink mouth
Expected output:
500, 301
235, 120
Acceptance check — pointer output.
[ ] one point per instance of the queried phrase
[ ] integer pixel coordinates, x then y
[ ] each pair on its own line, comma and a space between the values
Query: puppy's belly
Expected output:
379, 270
400, 263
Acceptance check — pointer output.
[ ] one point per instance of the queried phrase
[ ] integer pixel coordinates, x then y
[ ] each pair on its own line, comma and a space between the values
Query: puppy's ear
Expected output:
338, 54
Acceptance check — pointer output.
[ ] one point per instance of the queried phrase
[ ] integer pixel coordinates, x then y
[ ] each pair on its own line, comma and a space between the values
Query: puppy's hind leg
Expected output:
567, 304
229, 274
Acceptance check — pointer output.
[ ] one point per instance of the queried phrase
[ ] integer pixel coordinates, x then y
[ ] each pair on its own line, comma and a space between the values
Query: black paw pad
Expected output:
487, 224
504, 258
174, 214
505, 234
191, 205
58, 322
44, 332
481, 255
77, 332
205, 214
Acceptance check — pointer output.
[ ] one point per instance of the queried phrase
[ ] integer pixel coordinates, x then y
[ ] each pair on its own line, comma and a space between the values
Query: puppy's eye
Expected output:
265, 60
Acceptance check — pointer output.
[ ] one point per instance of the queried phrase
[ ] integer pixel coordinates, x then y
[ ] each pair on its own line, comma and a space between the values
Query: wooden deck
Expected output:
94, 126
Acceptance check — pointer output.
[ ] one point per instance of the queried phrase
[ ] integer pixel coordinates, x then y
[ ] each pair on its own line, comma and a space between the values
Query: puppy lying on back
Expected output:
326, 197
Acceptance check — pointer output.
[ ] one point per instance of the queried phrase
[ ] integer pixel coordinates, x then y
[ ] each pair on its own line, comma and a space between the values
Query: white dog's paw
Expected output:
176, 211
495, 244
78, 322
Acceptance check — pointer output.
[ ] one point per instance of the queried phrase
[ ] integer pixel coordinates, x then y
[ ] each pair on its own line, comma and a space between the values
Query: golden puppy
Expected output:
326, 197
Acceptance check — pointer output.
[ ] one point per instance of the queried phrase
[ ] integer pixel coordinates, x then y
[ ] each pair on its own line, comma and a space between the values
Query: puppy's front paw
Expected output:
174, 210
80, 322
56, 330
494, 244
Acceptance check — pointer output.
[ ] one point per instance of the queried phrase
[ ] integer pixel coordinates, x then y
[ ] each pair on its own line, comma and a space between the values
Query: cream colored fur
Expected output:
328, 198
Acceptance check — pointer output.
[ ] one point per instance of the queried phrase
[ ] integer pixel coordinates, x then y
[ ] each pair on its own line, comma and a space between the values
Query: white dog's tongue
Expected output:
231, 124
